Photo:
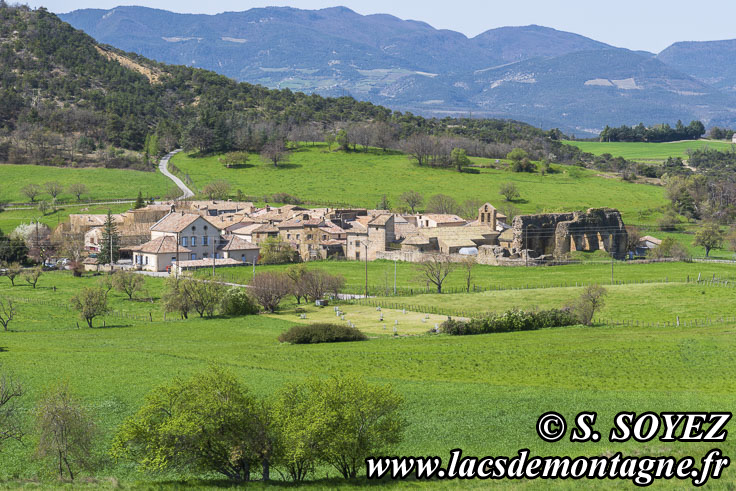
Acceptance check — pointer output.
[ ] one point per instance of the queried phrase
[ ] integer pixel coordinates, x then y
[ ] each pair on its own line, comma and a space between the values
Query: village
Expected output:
187, 235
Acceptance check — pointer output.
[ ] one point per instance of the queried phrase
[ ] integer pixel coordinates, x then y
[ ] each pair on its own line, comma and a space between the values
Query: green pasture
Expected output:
362, 178
408, 276
647, 152
479, 393
101, 183
9, 219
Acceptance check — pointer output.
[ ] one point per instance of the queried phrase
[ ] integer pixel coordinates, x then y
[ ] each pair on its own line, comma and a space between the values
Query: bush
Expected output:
510, 321
321, 333
237, 302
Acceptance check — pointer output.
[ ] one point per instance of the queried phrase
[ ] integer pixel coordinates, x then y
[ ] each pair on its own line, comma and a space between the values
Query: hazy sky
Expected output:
649, 25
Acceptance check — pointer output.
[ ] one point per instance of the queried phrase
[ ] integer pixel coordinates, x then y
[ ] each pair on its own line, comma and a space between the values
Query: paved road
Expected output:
187, 193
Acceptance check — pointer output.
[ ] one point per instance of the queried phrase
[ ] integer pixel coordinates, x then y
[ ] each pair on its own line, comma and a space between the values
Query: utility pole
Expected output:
365, 244
111, 260
176, 266
611, 267
254, 267
394, 277
214, 257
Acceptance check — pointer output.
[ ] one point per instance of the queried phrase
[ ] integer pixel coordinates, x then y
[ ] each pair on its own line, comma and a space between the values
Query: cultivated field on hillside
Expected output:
648, 152
480, 393
100, 183
361, 179
9, 219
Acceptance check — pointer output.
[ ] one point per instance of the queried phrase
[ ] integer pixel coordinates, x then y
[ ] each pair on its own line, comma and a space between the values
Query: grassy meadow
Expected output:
361, 178
101, 183
649, 152
480, 393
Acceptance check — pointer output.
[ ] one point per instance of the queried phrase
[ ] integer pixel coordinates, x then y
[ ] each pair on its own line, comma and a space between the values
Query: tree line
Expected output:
657, 133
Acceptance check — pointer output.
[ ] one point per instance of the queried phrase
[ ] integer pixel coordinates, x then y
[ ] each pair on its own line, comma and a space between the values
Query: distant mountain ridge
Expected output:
533, 73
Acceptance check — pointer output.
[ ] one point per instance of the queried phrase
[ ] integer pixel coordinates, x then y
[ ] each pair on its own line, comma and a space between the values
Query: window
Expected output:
194, 257
297, 236
184, 241
288, 236
309, 236
242, 257
146, 259
173, 259
205, 240
324, 237
205, 256
194, 241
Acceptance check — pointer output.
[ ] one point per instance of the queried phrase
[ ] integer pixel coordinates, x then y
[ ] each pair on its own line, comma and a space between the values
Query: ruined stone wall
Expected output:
558, 234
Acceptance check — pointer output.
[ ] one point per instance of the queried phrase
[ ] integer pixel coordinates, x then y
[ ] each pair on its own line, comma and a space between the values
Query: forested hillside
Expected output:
64, 99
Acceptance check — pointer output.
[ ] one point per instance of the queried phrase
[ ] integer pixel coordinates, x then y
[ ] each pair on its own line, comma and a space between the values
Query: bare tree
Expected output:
66, 431
127, 282
435, 269
275, 151
54, 188
269, 289
421, 147
7, 312
296, 274
32, 275
468, 264
412, 199
10, 422
317, 283
384, 135
443, 204
31, 191
204, 296
12, 271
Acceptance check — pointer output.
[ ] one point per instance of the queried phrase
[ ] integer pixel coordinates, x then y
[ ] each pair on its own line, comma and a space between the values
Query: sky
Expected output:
649, 25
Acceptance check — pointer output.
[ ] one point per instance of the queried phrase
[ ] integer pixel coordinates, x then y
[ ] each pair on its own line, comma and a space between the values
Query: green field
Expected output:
360, 179
480, 393
9, 219
101, 183
381, 274
647, 152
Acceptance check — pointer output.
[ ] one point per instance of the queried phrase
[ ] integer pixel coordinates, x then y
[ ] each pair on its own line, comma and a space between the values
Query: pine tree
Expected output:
110, 237
139, 202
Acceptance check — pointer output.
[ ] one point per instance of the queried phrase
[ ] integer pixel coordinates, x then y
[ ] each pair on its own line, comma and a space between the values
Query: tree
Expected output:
668, 222
237, 302
66, 431
300, 437
234, 159
205, 296
275, 151
435, 269
517, 155
10, 418
341, 138
176, 297
633, 237
7, 313
128, 282
296, 274
207, 423
91, 302
329, 139
420, 147
356, 420
509, 191
384, 204
54, 188
468, 263
110, 246
219, 189
669, 248
31, 275
317, 282
412, 199
139, 201
276, 251
269, 289
459, 158
12, 271
31, 191
590, 302
77, 189
709, 236
442, 204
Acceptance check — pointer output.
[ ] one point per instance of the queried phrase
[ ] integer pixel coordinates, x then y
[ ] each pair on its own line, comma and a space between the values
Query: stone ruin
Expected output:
558, 234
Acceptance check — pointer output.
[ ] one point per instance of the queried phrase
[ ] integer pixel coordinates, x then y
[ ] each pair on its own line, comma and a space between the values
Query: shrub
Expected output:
236, 302
589, 303
509, 321
321, 333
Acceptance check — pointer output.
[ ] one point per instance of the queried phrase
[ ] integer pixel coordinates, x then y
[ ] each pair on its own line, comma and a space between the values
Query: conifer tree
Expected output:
110, 242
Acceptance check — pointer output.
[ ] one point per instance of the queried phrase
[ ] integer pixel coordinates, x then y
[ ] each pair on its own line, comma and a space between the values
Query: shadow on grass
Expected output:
325, 483
288, 165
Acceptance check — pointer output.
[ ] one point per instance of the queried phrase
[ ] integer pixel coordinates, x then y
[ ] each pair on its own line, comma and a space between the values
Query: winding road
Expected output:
162, 166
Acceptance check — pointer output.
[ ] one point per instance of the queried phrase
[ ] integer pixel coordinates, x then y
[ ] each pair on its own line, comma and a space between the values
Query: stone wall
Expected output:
558, 234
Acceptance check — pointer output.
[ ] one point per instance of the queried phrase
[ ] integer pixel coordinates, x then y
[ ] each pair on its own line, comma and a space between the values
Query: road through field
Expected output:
187, 193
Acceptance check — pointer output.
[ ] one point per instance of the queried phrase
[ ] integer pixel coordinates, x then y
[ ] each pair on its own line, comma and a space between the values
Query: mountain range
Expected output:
536, 74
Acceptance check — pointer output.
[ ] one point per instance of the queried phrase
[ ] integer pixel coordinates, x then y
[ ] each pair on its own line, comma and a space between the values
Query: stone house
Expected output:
370, 235
191, 231
434, 220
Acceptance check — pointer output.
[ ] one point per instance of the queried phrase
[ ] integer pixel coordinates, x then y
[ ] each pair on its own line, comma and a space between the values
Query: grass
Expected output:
480, 393
381, 274
361, 178
648, 152
101, 183
9, 219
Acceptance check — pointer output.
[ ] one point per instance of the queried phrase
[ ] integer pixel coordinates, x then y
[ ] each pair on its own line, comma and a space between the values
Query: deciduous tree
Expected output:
269, 288
435, 269
128, 282
412, 199
91, 302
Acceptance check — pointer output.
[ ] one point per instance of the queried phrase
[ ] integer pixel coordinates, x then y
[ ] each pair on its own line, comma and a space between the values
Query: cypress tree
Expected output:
110, 237
139, 202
